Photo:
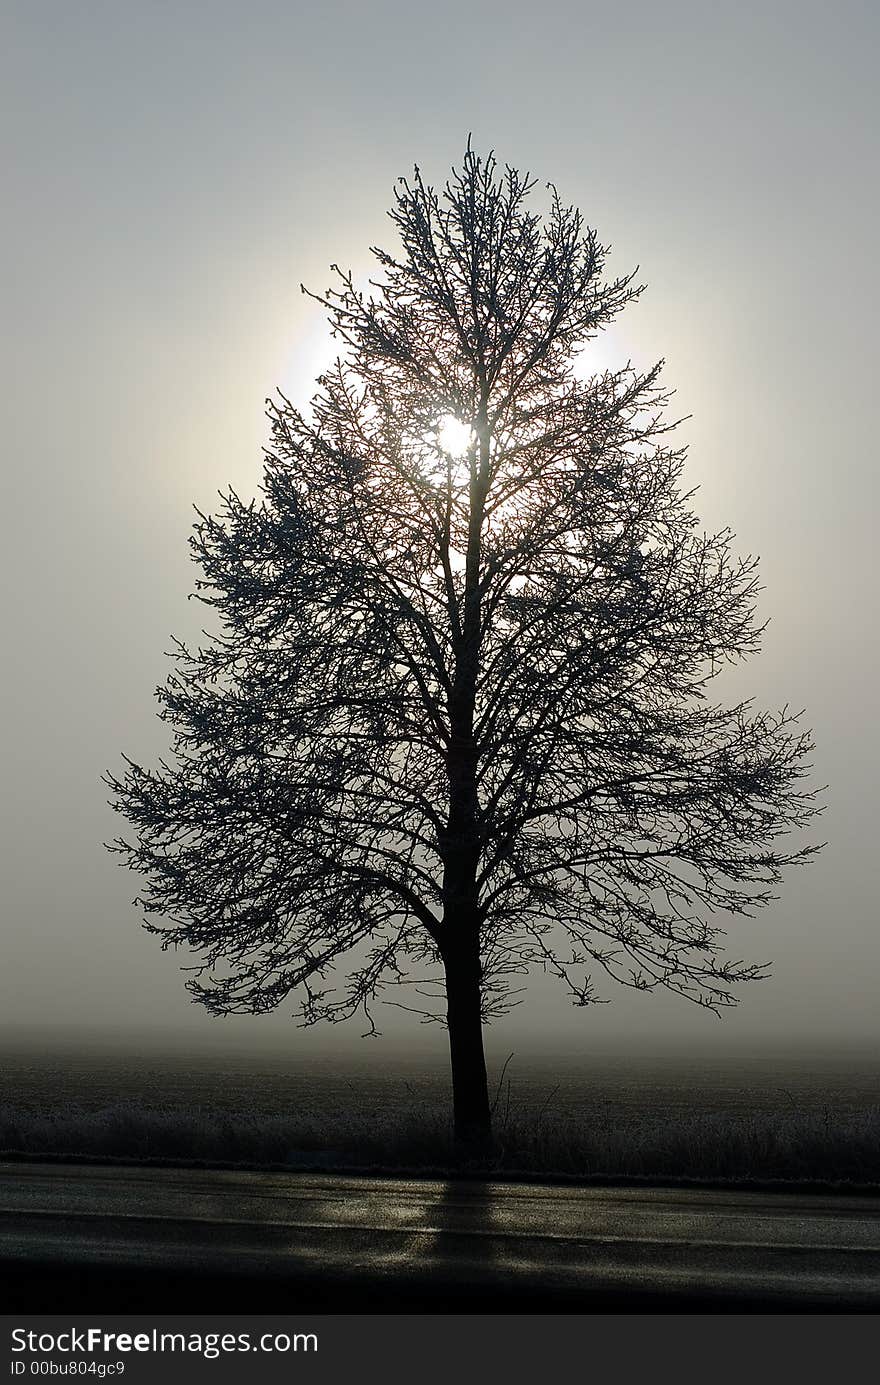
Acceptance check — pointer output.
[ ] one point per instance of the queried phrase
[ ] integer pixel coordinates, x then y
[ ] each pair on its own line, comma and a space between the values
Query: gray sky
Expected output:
172, 171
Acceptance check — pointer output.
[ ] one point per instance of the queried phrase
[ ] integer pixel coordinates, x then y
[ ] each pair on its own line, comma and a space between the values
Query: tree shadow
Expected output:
461, 1251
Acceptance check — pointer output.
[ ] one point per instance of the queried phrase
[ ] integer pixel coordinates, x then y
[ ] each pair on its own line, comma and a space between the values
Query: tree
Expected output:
455, 720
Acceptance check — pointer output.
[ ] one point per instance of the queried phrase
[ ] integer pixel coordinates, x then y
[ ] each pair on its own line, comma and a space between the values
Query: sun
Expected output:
454, 437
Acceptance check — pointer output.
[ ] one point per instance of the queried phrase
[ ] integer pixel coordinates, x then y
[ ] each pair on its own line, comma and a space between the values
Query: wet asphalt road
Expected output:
122, 1238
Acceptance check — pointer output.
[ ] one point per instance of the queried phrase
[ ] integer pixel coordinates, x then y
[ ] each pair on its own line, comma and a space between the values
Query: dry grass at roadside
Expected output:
786, 1144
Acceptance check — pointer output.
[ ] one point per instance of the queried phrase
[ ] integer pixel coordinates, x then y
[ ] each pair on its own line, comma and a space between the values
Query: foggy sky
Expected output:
172, 171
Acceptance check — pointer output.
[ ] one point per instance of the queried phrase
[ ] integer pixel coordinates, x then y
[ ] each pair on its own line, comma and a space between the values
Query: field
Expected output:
750, 1122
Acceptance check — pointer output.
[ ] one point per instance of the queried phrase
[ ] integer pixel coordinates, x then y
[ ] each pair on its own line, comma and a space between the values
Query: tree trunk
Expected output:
470, 1092
461, 926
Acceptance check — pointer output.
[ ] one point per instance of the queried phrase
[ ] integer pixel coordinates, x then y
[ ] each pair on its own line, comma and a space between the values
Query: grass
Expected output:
781, 1145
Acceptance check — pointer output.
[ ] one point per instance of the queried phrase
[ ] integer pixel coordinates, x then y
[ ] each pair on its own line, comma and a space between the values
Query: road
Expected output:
137, 1238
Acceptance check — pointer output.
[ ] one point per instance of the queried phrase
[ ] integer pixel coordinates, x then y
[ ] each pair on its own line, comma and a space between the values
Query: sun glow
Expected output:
454, 437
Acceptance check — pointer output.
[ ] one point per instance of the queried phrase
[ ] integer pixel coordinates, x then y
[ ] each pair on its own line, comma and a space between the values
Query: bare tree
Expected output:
455, 721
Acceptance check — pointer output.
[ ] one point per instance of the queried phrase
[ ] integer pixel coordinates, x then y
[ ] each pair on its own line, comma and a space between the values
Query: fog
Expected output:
173, 172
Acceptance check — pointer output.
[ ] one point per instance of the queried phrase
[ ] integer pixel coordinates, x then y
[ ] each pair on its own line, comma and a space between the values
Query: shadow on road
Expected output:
467, 1228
